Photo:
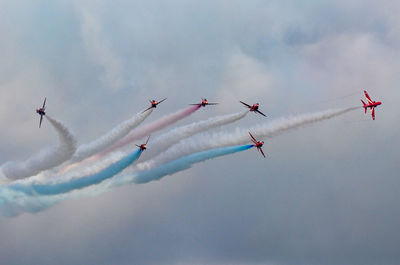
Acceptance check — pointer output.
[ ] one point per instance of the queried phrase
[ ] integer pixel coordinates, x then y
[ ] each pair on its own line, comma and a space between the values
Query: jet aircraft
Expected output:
143, 146
254, 108
203, 103
41, 112
257, 144
371, 105
154, 104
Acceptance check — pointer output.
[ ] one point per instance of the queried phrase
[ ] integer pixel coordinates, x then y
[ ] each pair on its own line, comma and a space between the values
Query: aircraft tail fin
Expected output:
365, 108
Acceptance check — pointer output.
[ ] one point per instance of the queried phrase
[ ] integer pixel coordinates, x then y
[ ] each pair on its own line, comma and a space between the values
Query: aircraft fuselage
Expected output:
40, 112
373, 105
254, 108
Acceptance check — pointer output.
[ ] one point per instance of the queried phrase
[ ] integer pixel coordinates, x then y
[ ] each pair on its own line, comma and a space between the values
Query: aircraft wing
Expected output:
261, 152
196, 104
261, 113
212, 103
147, 109
373, 113
161, 100
44, 103
40, 122
247, 105
368, 98
147, 139
252, 138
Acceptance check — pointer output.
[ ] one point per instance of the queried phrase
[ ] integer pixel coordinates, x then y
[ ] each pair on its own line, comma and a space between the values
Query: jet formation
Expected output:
204, 102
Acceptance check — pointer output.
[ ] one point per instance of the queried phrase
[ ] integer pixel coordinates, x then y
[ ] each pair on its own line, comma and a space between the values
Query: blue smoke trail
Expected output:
185, 163
79, 183
15, 200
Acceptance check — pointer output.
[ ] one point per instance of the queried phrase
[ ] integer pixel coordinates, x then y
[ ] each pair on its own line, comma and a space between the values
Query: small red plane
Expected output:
371, 104
253, 108
143, 146
41, 112
154, 104
203, 103
257, 144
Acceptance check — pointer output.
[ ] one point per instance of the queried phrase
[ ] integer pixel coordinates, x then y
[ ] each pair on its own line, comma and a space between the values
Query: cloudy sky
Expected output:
327, 194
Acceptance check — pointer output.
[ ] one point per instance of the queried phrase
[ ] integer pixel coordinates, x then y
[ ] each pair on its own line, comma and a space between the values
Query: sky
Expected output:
327, 193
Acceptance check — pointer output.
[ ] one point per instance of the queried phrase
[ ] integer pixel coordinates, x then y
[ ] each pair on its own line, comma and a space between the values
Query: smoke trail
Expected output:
111, 137
172, 137
15, 199
239, 136
3, 179
152, 127
45, 159
13, 203
134, 135
185, 163
78, 183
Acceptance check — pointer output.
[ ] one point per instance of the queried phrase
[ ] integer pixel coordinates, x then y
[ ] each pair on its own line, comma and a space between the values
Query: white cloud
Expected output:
99, 49
245, 78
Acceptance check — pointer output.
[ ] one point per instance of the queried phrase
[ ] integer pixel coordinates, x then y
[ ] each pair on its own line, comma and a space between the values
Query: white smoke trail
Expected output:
161, 143
16, 199
45, 159
150, 128
3, 179
87, 150
17, 202
172, 137
239, 136
104, 157
13, 202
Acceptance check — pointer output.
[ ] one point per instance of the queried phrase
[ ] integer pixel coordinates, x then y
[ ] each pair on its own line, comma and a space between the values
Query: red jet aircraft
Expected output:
257, 144
41, 112
143, 146
154, 104
253, 108
371, 104
203, 103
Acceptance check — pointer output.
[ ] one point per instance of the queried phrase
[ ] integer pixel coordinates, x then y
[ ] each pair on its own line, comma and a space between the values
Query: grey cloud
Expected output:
326, 195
